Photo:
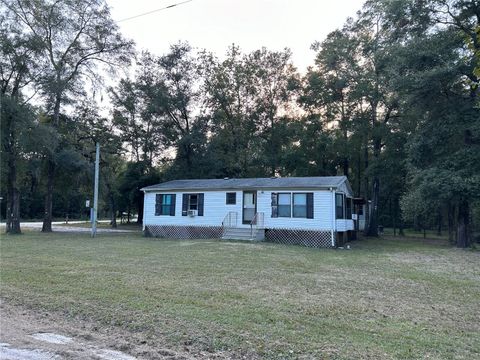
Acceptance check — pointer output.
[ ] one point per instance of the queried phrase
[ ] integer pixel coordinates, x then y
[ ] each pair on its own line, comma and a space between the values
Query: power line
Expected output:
154, 11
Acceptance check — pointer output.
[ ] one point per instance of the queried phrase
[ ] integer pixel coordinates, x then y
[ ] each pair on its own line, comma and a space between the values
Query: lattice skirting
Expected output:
183, 232
309, 238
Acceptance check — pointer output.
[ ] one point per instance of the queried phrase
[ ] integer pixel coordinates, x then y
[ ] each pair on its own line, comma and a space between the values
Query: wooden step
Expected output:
243, 234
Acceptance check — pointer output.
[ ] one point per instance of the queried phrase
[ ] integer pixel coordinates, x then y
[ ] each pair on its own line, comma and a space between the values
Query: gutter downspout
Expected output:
332, 190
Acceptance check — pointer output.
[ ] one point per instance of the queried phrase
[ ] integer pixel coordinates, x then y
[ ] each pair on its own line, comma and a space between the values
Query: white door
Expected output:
249, 206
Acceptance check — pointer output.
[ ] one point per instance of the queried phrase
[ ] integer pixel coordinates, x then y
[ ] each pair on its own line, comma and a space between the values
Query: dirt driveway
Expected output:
31, 335
25, 335
72, 226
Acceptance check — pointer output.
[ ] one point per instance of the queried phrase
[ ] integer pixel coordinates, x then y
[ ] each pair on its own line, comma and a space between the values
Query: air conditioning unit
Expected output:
192, 213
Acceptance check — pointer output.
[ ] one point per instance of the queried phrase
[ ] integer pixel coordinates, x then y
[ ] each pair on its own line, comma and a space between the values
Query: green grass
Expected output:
385, 298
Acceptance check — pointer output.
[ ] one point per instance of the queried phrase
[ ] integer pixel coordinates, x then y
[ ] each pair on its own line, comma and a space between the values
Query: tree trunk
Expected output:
373, 221
140, 211
377, 147
400, 228
189, 160
394, 216
450, 214
13, 196
346, 166
273, 150
399, 217
113, 210
416, 224
13, 210
359, 178
439, 222
47, 219
367, 207
463, 236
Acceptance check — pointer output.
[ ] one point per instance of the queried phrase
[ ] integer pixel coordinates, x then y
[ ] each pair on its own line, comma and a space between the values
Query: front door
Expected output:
249, 206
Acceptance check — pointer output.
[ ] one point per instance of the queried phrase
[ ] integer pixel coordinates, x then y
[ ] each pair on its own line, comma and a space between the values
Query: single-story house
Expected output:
309, 211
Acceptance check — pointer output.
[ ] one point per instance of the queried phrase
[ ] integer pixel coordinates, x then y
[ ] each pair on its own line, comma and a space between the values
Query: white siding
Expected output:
344, 224
215, 210
322, 213
344, 189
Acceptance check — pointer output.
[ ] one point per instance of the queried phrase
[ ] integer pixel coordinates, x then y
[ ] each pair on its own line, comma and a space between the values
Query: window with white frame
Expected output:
193, 202
284, 205
297, 205
165, 204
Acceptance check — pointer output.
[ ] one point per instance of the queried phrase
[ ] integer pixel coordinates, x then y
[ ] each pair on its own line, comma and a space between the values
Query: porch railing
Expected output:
257, 223
230, 220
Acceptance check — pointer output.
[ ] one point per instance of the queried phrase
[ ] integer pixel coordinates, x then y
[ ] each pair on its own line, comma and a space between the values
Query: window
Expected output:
348, 214
284, 205
339, 206
231, 198
300, 205
193, 202
297, 205
165, 204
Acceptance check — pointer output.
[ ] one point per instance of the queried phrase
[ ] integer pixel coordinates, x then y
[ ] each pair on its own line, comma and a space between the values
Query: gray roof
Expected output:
320, 182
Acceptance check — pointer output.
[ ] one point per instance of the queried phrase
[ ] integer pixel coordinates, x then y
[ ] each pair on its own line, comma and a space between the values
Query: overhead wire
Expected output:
154, 11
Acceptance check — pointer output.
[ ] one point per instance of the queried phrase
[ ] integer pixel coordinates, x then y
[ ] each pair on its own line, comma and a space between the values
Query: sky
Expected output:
216, 24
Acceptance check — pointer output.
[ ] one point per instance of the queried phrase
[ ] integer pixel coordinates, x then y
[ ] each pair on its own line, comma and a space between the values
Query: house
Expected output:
309, 211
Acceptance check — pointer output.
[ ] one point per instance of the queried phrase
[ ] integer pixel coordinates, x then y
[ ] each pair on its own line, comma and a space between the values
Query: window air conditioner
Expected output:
192, 213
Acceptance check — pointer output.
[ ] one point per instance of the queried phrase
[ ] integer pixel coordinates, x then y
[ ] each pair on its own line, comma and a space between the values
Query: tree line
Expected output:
390, 100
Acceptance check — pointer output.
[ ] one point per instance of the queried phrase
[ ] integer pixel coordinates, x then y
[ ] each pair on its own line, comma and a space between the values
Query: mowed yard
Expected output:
386, 298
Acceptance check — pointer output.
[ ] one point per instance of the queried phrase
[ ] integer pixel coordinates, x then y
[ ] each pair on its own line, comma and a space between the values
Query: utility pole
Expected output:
95, 191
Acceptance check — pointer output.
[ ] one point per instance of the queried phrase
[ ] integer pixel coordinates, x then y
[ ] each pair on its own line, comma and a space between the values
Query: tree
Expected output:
230, 95
443, 154
331, 88
350, 91
171, 86
310, 151
139, 131
157, 111
476, 71
92, 128
135, 176
17, 70
75, 39
17, 119
249, 99
464, 16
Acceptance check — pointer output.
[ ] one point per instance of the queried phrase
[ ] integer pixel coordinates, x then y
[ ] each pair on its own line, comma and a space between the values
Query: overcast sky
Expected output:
251, 24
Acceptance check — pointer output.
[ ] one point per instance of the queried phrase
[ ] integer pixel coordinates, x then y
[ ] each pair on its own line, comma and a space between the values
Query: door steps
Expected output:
243, 234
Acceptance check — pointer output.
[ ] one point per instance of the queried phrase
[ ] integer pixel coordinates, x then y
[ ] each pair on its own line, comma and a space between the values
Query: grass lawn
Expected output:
385, 298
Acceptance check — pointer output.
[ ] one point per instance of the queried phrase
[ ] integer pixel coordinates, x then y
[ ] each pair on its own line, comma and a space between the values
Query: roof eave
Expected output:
243, 188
